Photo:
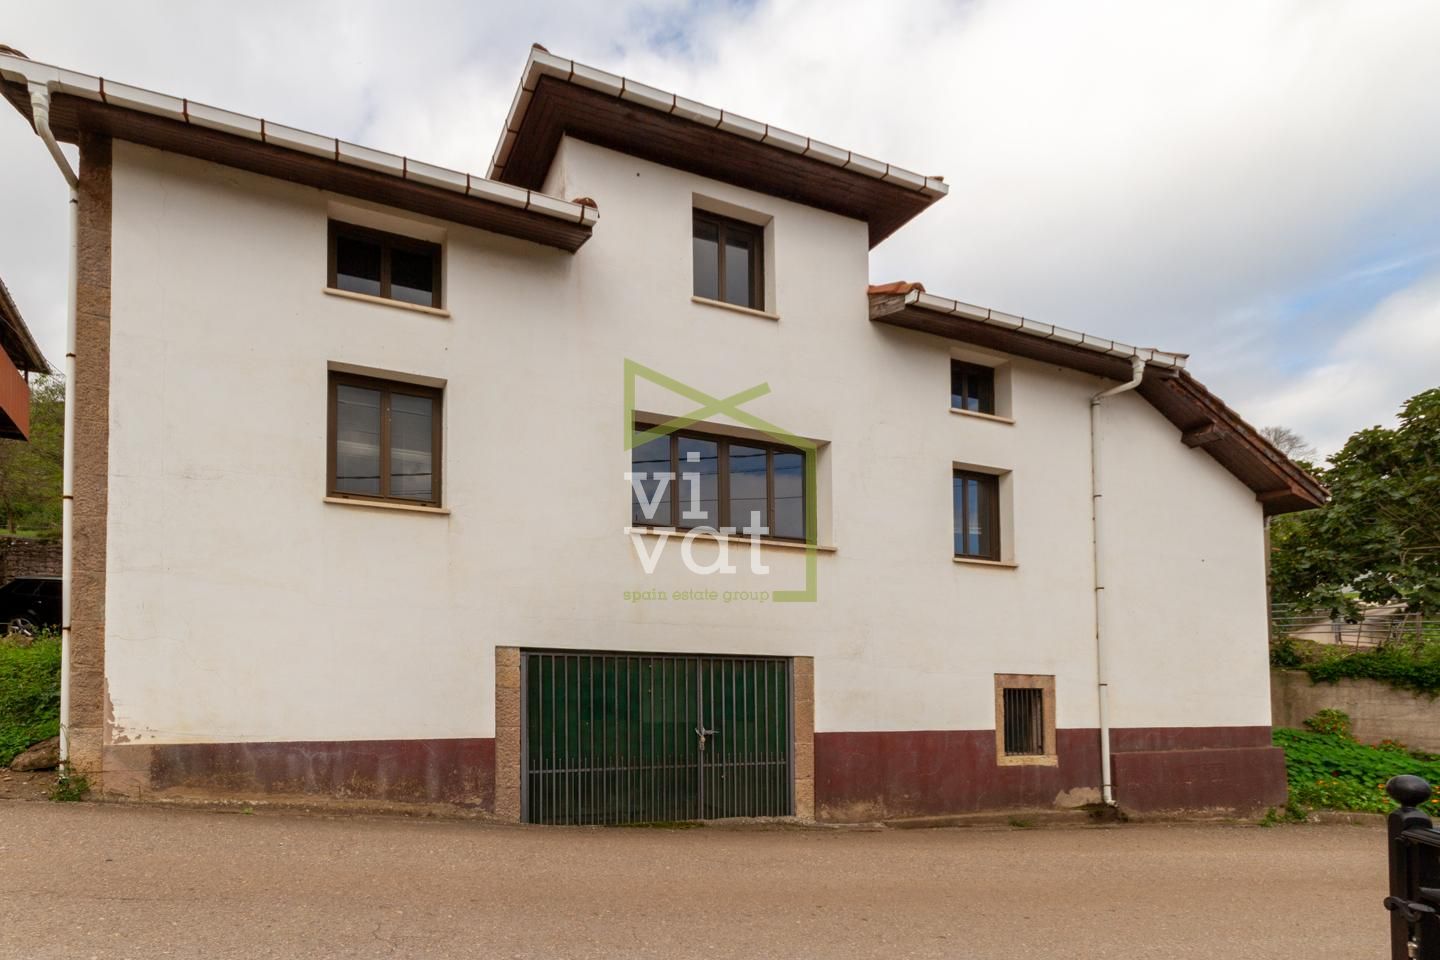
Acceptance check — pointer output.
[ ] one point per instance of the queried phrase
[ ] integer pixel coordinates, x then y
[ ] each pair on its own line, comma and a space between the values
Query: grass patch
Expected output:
1330, 771
29, 693
1292, 812
70, 788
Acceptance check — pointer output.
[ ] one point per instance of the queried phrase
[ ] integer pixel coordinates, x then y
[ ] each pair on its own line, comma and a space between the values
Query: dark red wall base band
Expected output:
858, 776
881, 775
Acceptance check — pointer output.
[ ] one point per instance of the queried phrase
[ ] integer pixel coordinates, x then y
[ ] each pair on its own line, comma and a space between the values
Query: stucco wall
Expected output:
242, 607
1377, 710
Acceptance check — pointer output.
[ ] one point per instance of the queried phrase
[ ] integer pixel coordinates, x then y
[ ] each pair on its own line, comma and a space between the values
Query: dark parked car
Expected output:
28, 603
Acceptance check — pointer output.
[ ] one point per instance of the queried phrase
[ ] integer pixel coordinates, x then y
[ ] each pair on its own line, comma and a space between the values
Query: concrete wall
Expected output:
1377, 710
242, 607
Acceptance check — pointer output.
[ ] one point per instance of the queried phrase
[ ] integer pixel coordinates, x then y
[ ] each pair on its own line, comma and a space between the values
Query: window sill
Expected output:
1050, 760
389, 505
983, 416
764, 542
1006, 564
707, 302
384, 302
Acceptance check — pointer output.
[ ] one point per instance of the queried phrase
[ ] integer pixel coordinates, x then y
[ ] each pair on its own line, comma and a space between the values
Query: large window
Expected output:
384, 440
384, 265
977, 515
688, 480
972, 387
729, 257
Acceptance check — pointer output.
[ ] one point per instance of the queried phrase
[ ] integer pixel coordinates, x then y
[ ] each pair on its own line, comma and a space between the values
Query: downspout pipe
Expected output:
1102, 683
40, 111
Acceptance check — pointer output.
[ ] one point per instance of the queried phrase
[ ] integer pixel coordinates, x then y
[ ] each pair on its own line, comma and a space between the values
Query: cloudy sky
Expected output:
1254, 183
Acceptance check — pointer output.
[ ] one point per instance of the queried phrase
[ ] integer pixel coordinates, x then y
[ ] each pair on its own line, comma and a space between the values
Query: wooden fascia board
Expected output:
69, 115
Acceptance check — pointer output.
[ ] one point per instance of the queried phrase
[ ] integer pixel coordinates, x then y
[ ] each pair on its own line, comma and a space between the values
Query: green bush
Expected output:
1333, 772
1285, 653
1407, 666
29, 693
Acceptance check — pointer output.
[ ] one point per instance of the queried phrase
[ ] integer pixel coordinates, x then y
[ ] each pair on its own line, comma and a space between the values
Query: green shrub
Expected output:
1285, 653
29, 693
1330, 721
1407, 666
1333, 772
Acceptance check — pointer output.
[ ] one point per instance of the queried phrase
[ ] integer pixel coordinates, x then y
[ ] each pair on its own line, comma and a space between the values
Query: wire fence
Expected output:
1376, 627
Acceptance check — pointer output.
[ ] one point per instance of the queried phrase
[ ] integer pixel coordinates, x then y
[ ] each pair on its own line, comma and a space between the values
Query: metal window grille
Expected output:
1024, 714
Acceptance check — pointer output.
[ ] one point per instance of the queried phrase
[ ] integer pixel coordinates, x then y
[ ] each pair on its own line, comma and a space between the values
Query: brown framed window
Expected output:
1024, 719
382, 264
687, 480
972, 387
384, 440
729, 260
977, 515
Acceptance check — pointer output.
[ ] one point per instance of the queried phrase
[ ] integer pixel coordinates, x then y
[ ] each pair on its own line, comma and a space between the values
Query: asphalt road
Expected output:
93, 880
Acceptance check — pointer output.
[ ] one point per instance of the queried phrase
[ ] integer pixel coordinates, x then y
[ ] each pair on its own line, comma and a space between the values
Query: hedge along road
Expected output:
96, 880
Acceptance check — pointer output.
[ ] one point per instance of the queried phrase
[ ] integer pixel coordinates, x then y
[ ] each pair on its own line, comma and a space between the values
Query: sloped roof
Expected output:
83, 102
15, 336
559, 97
1280, 484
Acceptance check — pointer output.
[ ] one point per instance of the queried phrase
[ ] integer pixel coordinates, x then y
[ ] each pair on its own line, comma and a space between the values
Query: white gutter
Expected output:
40, 109
543, 63
1044, 331
1102, 685
181, 110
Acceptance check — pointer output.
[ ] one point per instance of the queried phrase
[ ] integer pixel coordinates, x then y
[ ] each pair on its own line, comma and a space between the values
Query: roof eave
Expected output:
559, 97
182, 126
1280, 484
18, 341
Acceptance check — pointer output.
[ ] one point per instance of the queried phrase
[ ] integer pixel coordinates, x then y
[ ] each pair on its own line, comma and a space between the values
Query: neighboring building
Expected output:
354, 513
20, 356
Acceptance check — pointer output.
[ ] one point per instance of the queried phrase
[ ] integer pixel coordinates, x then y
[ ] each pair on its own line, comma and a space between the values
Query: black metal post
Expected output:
1414, 848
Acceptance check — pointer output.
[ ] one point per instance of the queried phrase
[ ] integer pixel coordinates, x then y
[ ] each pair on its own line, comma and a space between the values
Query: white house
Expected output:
603, 487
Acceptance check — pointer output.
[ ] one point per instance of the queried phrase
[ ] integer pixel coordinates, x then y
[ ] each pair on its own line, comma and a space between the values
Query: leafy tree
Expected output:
30, 471
1378, 539
1290, 443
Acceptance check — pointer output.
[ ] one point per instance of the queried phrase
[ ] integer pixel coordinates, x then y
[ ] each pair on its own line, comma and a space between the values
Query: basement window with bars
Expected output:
1025, 719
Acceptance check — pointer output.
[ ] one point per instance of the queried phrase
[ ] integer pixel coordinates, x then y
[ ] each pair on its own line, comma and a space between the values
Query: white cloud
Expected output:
1165, 173
1391, 354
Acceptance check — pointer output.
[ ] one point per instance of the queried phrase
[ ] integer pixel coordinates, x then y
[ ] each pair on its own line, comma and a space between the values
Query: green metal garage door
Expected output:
637, 738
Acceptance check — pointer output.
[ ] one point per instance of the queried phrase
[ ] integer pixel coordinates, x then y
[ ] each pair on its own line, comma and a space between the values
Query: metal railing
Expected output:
1414, 847
1377, 627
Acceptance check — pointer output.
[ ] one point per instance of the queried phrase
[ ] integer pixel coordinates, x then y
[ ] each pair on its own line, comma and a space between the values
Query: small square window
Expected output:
729, 260
384, 265
972, 387
976, 502
384, 440
1024, 719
